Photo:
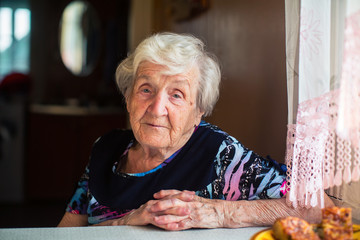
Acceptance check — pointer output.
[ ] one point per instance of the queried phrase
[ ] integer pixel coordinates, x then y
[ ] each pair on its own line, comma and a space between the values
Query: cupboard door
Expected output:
58, 151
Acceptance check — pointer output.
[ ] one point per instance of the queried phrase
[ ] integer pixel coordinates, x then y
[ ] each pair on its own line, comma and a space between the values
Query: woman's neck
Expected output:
141, 159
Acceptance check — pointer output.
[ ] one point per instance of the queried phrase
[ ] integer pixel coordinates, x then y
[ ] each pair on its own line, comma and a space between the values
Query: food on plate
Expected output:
336, 223
293, 228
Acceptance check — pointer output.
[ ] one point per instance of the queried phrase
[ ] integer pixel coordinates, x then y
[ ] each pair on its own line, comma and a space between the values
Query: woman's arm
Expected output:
78, 203
147, 214
178, 210
212, 213
265, 212
73, 220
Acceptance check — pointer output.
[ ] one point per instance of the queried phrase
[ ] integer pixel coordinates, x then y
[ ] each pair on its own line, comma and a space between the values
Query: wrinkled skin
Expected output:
174, 210
179, 210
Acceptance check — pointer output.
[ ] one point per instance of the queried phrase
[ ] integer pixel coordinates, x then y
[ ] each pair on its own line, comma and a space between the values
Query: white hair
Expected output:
179, 53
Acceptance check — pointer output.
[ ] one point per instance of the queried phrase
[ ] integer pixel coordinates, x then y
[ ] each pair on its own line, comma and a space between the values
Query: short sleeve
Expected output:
79, 202
247, 176
244, 175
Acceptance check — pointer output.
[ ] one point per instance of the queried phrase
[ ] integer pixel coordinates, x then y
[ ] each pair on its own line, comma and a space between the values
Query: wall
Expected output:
12, 140
53, 83
48, 133
249, 39
247, 36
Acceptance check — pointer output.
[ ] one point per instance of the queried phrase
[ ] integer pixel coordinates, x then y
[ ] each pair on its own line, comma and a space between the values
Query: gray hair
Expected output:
179, 52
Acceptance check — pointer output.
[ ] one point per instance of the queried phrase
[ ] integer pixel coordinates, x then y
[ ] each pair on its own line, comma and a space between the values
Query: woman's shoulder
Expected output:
212, 127
227, 138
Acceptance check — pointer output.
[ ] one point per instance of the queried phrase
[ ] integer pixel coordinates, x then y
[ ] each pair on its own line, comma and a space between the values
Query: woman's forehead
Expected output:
148, 69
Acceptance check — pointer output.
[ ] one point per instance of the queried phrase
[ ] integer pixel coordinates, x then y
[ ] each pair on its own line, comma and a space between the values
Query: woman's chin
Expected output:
153, 141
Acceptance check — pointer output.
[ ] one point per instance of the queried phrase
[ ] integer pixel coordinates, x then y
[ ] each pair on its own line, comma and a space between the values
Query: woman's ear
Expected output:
127, 101
127, 96
199, 117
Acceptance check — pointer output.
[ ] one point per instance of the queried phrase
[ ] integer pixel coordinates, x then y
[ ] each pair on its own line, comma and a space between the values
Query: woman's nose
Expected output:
158, 104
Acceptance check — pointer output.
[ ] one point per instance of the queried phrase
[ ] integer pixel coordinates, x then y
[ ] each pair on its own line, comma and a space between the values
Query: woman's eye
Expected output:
145, 90
176, 96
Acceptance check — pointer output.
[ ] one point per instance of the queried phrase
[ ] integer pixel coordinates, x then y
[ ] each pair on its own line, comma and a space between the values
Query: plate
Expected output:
266, 234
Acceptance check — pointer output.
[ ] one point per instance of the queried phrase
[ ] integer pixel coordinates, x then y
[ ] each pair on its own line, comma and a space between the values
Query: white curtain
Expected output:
323, 77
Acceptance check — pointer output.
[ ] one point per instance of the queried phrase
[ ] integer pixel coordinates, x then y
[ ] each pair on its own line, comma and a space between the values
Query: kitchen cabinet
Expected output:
59, 145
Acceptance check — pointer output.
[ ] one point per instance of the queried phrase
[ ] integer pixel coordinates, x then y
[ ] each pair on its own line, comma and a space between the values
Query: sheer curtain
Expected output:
323, 78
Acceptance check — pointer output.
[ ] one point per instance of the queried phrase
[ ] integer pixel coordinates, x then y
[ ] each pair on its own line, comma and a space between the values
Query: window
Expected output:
15, 30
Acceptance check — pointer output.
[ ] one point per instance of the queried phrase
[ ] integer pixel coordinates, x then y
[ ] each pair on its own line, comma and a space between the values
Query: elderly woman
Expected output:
172, 169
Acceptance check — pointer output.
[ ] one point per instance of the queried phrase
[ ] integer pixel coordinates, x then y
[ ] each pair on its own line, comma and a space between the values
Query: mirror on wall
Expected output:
79, 37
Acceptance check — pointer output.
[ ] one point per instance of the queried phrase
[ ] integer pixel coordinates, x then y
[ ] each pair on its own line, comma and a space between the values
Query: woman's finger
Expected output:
175, 226
168, 219
176, 211
165, 193
182, 195
166, 204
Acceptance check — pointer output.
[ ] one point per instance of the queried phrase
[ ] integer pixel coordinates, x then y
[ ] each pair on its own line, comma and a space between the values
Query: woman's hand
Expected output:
174, 210
149, 212
178, 210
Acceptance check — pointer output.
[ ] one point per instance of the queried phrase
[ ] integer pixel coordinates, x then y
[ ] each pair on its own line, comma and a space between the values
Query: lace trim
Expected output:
317, 157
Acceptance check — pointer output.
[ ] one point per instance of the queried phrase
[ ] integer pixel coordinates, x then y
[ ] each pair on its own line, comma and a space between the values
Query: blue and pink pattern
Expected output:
241, 175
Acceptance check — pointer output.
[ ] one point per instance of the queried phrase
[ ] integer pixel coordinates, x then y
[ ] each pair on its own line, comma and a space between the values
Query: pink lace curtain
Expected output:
323, 71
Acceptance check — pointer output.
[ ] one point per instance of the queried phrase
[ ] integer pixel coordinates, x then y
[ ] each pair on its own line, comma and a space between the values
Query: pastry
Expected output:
336, 223
293, 228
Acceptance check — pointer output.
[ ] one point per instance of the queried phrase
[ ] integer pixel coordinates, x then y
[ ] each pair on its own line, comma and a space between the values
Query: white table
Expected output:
125, 232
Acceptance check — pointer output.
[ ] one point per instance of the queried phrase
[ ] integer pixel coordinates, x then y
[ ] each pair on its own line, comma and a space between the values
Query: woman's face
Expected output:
162, 108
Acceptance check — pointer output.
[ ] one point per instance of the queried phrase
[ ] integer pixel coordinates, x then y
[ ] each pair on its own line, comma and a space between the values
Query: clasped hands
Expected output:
176, 210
